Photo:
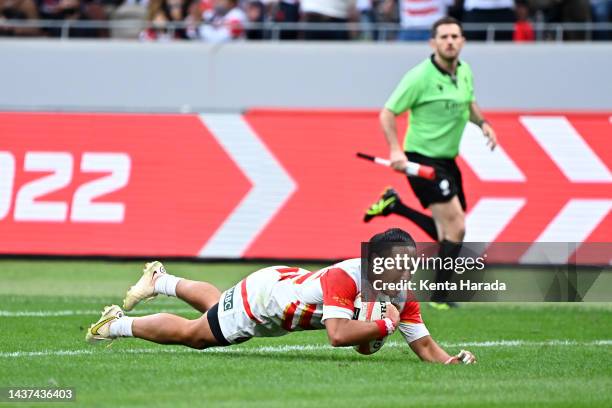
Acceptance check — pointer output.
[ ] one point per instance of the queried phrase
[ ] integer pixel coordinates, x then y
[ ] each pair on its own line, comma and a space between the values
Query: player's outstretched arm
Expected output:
347, 332
428, 350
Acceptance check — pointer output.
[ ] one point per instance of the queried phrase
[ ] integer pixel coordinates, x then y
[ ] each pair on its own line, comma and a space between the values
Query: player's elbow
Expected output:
386, 116
335, 334
336, 339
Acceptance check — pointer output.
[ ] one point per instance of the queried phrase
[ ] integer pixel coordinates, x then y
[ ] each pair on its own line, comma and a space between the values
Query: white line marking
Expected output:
96, 312
300, 348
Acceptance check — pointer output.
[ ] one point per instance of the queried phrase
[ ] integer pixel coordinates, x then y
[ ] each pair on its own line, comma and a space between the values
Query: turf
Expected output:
537, 355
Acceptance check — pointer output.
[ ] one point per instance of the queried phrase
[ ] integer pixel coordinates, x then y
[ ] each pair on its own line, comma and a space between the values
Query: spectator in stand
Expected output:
256, 14
565, 11
367, 17
66, 10
325, 12
417, 17
18, 10
601, 12
523, 29
159, 14
226, 23
488, 11
130, 11
388, 12
575, 11
195, 15
285, 11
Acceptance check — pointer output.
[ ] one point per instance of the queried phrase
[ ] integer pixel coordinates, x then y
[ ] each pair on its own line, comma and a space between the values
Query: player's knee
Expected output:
191, 336
336, 341
199, 344
459, 230
453, 227
199, 334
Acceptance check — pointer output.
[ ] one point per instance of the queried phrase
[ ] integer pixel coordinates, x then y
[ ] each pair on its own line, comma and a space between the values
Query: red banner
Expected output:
281, 184
179, 184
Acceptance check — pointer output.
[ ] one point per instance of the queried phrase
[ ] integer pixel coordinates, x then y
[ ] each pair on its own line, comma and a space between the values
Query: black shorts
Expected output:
447, 184
213, 321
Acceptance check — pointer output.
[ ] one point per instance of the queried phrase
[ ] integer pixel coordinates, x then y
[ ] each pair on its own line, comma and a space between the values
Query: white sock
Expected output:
166, 284
122, 327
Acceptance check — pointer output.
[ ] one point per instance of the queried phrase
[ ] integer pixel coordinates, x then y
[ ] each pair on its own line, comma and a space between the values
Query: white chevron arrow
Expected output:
272, 186
489, 218
573, 224
564, 145
488, 165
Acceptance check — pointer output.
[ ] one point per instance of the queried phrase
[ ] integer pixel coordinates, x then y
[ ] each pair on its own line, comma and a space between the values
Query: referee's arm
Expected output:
477, 117
396, 156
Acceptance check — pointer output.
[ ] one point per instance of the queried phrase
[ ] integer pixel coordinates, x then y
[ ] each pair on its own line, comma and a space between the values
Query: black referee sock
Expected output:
448, 249
424, 221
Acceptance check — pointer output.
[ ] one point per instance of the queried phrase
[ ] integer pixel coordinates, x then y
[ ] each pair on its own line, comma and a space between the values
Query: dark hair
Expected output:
443, 21
379, 243
392, 235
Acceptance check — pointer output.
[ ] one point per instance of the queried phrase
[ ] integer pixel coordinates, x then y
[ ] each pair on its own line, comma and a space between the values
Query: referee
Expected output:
439, 93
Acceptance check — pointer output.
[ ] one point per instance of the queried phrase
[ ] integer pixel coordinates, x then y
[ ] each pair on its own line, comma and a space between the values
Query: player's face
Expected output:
448, 41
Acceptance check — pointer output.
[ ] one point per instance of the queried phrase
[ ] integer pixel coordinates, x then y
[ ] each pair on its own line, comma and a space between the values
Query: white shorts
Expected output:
239, 315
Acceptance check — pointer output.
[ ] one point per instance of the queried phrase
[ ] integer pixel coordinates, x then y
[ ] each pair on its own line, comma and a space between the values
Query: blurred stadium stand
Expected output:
369, 20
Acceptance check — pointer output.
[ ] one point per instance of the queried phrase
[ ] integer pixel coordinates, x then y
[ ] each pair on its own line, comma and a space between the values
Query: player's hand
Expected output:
464, 357
398, 160
489, 133
393, 314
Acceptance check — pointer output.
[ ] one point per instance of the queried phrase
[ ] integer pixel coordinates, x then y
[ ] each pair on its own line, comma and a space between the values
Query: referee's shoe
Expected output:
384, 205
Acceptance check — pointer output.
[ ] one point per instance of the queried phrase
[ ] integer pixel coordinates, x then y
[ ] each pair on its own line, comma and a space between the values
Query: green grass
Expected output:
540, 371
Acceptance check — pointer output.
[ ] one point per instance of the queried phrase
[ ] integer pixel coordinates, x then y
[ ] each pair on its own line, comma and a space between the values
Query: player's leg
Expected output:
200, 295
450, 219
449, 215
162, 328
165, 328
390, 203
155, 280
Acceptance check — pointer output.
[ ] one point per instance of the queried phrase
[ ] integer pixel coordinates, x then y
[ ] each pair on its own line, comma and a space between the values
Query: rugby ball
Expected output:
369, 312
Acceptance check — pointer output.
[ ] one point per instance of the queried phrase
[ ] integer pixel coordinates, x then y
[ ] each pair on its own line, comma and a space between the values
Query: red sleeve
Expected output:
235, 27
339, 289
411, 313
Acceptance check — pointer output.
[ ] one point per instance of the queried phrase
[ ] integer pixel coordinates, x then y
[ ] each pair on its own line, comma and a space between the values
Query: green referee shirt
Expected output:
439, 105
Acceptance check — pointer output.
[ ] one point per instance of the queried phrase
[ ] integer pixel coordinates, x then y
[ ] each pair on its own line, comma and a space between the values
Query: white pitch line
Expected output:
58, 313
299, 348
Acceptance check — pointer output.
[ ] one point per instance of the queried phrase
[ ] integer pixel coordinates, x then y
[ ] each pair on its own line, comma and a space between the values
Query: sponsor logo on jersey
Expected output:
228, 299
342, 301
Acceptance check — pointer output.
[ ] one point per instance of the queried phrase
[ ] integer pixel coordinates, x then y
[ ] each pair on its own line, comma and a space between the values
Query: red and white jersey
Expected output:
221, 28
282, 299
422, 13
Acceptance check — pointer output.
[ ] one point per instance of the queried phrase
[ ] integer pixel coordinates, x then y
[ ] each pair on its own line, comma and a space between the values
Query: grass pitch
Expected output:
537, 355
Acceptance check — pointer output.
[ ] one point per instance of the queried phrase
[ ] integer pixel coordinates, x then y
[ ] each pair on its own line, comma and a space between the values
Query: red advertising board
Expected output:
281, 184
